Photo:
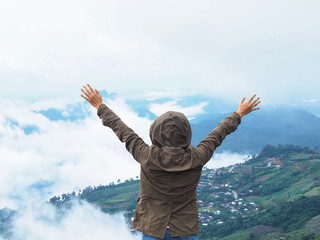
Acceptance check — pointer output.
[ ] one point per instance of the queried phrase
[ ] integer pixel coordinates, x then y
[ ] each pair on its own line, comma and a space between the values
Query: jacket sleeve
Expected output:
208, 145
134, 144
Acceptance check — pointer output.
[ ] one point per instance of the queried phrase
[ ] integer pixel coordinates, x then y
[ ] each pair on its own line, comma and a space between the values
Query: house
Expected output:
233, 210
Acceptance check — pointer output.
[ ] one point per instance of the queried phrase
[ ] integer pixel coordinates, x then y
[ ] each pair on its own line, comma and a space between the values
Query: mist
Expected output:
42, 158
61, 156
226, 159
49, 49
81, 221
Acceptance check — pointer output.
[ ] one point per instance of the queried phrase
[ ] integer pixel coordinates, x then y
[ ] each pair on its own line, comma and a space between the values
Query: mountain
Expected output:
271, 124
274, 195
276, 125
209, 105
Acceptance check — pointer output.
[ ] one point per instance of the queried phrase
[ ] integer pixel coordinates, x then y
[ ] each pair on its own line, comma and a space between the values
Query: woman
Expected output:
170, 168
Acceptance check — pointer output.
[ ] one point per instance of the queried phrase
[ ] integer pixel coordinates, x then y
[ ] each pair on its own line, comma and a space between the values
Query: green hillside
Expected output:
275, 195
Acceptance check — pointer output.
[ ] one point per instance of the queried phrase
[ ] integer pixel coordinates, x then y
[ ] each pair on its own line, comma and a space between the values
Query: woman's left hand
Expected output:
92, 96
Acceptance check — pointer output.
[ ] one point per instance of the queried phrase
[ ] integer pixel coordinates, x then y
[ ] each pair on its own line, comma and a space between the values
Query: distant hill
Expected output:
275, 195
278, 125
270, 125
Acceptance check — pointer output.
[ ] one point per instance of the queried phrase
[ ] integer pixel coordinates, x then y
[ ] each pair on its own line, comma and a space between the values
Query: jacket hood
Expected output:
171, 129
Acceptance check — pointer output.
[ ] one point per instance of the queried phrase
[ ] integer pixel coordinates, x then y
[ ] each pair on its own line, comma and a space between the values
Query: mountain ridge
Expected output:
272, 124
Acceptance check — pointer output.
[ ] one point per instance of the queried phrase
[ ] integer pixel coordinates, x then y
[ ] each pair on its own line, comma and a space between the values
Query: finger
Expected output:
252, 97
86, 89
242, 101
90, 88
256, 100
97, 92
255, 109
84, 97
256, 104
85, 93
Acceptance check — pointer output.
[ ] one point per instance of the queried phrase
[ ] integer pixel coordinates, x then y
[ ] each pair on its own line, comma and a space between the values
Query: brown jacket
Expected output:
170, 170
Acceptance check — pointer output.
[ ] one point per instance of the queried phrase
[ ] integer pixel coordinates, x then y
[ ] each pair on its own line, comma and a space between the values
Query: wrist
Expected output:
98, 105
240, 114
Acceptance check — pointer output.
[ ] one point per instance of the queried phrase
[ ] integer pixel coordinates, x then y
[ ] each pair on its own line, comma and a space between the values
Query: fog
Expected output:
226, 159
221, 48
61, 156
64, 156
82, 221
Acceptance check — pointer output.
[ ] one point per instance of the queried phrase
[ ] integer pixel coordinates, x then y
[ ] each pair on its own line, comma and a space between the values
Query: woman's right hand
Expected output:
249, 106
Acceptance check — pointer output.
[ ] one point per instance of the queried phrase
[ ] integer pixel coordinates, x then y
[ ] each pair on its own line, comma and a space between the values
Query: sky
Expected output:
138, 50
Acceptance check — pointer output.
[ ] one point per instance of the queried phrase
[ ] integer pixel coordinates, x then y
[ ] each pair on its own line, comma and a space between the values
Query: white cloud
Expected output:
189, 111
154, 95
222, 48
63, 155
58, 103
311, 100
82, 221
226, 159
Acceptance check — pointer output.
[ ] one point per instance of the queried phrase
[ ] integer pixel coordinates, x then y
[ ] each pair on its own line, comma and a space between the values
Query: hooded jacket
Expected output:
170, 170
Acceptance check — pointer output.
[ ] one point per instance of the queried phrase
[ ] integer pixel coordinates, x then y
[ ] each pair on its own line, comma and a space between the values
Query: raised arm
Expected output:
134, 144
208, 145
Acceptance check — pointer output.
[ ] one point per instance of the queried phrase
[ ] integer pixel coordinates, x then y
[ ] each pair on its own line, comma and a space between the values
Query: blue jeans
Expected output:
167, 237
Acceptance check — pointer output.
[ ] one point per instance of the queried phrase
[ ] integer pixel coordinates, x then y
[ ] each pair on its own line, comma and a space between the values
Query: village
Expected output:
218, 202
